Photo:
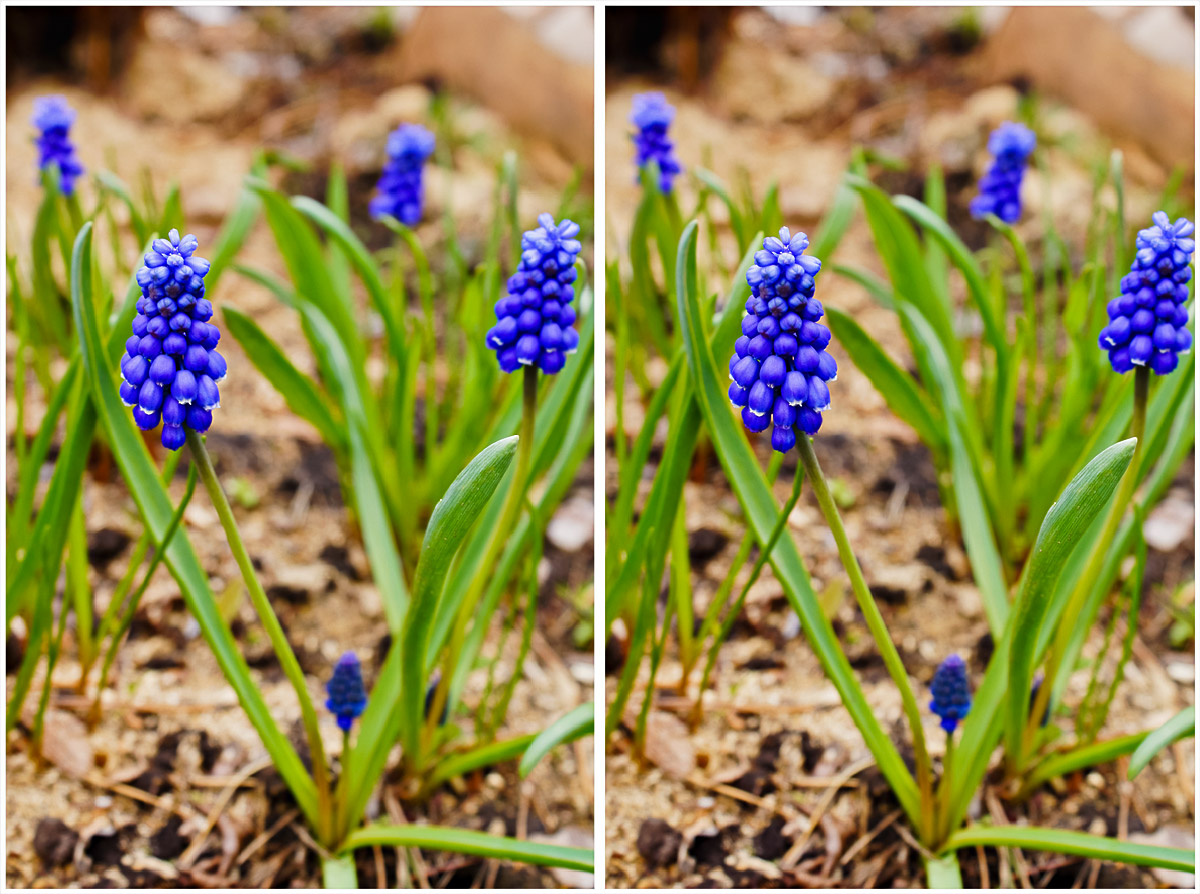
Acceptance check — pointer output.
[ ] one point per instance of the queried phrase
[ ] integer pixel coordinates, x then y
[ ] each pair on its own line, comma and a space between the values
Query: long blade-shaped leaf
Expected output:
477, 844
1080, 844
156, 510
575, 724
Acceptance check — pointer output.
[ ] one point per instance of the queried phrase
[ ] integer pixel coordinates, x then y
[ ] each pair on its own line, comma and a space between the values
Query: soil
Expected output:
775, 787
172, 787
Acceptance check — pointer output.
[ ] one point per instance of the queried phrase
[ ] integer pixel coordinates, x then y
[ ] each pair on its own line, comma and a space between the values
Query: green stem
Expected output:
508, 519
945, 791
732, 615
942, 872
279, 642
875, 623
1091, 573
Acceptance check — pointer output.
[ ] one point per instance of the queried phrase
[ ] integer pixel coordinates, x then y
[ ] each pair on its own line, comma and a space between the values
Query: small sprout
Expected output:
401, 186
652, 115
1010, 144
53, 117
780, 366
1147, 322
535, 317
244, 493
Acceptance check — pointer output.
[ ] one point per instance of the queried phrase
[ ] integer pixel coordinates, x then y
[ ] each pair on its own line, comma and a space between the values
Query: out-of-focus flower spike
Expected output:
401, 187
347, 695
652, 116
53, 117
1010, 145
951, 692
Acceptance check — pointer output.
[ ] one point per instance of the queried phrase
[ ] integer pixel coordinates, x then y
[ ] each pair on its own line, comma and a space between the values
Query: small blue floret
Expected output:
171, 367
1011, 145
652, 115
347, 695
780, 368
53, 118
951, 692
1147, 322
533, 320
401, 186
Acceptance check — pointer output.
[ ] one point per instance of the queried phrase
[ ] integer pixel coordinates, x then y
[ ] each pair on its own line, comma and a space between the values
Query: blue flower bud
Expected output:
1147, 322
652, 115
347, 695
169, 364
1011, 145
951, 692
780, 366
53, 118
401, 186
533, 321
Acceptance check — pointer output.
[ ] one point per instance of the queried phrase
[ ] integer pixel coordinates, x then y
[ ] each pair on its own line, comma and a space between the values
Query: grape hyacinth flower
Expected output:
53, 117
534, 319
171, 366
951, 692
401, 187
347, 695
780, 366
652, 115
1147, 322
1011, 145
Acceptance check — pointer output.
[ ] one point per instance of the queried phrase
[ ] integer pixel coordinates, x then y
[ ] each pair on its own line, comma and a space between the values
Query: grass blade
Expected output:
1178, 727
1079, 844
476, 844
575, 724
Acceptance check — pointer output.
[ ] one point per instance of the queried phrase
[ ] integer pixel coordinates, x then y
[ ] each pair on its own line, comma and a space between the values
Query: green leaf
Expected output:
874, 286
575, 724
978, 536
396, 704
1081, 502
476, 844
476, 758
1079, 844
303, 396
386, 567
900, 390
1082, 758
156, 511
1181, 726
754, 494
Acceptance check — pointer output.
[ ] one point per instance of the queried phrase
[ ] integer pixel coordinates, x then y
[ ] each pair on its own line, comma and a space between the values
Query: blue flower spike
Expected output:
951, 692
1010, 145
347, 695
534, 318
401, 186
1147, 322
652, 116
171, 366
53, 117
780, 368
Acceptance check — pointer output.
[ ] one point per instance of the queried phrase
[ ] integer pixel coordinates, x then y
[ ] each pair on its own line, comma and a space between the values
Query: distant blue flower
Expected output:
171, 367
780, 366
435, 680
652, 115
534, 319
951, 692
347, 695
1000, 188
53, 117
401, 187
1147, 322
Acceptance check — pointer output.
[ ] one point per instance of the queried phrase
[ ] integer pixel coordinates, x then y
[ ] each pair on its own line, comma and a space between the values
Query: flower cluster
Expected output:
1147, 322
652, 115
780, 366
401, 187
951, 692
171, 367
1011, 145
535, 317
347, 695
53, 117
